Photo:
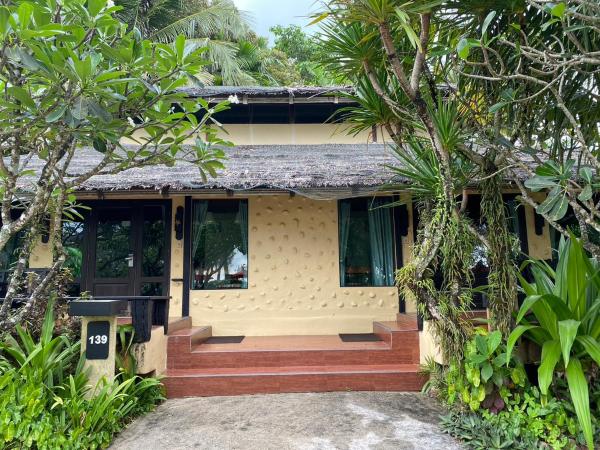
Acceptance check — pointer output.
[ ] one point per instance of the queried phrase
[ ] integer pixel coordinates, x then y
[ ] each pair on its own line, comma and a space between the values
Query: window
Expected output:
366, 235
73, 238
220, 244
9, 254
8, 258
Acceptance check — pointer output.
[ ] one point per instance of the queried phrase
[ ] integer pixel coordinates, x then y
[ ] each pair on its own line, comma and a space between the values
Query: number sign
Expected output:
98, 340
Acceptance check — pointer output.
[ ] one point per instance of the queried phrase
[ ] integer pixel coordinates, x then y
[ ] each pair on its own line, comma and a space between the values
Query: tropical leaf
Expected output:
567, 332
551, 353
578, 388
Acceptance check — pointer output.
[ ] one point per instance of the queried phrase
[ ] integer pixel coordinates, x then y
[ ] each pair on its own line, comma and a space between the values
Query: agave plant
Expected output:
561, 314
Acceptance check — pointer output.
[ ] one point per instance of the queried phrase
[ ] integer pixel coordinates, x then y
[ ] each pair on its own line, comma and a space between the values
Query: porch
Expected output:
387, 361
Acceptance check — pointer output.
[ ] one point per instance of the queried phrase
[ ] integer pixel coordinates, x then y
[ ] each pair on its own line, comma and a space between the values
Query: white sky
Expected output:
267, 13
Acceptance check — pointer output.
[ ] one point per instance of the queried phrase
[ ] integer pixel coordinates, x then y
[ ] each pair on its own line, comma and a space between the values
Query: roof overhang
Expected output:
274, 95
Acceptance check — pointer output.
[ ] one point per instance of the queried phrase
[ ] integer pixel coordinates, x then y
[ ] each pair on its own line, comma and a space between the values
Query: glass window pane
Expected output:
220, 244
153, 242
366, 234
112, 243
8, 258
151, 289
9, 254
72, 236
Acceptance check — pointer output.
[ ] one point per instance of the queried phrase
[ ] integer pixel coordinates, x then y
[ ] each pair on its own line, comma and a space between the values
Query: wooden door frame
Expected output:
136, 207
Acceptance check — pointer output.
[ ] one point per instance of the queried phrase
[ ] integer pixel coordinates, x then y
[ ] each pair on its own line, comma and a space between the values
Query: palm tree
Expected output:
216, 25
268, 66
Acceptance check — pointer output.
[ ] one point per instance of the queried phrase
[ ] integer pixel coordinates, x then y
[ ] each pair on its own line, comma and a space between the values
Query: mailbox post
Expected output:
98, 336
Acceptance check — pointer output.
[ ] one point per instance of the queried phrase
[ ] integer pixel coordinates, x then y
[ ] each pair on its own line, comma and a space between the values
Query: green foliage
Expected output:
483, 379
526, 423
44, 401
110, 82
556, 178
49, 358
294, 42
561, 314
124, 358
215, 26
305, 53
502, 280
267, 66
493, 405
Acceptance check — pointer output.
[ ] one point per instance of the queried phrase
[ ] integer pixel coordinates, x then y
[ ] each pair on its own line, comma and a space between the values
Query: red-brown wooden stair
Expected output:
273, 364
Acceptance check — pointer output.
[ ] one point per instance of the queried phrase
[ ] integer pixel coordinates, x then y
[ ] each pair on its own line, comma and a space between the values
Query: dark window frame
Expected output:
397, 212
189, 270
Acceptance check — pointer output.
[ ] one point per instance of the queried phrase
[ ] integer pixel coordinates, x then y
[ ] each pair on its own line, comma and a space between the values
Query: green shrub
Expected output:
483, 378
493, 405
561, 314
524, 424
43, 396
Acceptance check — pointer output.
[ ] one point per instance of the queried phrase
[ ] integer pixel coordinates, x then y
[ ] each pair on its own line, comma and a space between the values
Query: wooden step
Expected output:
407, 321
231, 359
178, 324
397, 335
266, 380
181, 341
283, 351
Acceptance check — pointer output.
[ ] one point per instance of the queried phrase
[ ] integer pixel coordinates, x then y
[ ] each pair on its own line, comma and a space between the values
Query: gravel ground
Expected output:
331, 421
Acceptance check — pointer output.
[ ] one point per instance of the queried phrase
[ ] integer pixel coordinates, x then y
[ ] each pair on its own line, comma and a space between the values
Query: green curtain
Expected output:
344, 218
199, 213
243, 219
381, 238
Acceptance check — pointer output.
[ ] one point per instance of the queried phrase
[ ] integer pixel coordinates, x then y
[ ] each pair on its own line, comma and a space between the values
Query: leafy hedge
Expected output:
43, 395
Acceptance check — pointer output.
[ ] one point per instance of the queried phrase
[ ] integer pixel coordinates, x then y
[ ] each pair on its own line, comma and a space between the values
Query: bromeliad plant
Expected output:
561, 314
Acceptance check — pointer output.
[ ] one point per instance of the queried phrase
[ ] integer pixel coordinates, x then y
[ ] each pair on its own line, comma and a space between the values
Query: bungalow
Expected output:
280, 271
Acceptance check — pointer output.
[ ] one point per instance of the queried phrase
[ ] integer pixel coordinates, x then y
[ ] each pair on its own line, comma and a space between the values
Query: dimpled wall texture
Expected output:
293, 278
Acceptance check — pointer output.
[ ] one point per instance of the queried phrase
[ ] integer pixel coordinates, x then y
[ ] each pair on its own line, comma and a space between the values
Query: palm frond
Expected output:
218, 19
223, 60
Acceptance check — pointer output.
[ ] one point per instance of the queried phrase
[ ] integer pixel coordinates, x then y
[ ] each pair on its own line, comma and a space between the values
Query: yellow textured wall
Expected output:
293, 280
428, 346
176, 287
539, 246
287, 134
41, 256
265, 134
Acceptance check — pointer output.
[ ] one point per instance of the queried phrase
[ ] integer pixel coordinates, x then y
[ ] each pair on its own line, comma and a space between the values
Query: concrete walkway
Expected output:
332, 421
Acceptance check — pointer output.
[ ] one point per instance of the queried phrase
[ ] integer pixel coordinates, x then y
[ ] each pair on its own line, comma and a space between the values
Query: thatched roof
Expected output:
300, 168
266, 92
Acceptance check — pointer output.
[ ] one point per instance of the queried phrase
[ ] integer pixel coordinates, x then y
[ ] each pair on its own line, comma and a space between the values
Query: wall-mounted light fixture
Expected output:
179, 223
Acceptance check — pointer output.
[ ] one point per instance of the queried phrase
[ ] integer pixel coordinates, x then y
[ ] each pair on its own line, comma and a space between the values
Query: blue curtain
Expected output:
382, 243
344, 219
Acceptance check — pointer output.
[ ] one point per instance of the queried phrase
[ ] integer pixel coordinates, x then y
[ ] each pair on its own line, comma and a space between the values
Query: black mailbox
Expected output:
96, 307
